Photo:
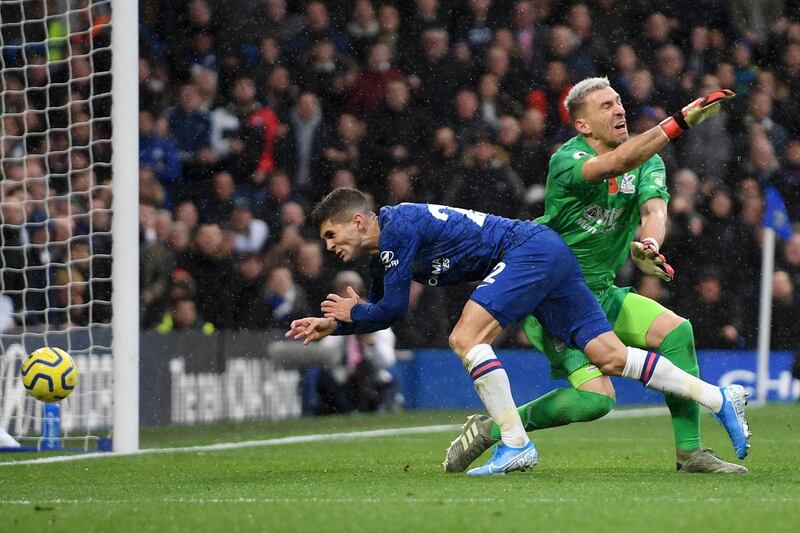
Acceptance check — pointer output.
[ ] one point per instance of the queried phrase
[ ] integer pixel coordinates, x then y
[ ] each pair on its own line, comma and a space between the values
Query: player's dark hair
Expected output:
339, 205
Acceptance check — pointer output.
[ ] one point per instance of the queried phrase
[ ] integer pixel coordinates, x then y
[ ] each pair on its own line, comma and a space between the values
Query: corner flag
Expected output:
775, 215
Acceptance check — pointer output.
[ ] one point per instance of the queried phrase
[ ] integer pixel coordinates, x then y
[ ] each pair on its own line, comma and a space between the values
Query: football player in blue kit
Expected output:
523, 268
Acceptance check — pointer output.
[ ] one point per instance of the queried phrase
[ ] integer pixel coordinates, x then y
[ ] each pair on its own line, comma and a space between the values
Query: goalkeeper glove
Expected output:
693, 114
645, 255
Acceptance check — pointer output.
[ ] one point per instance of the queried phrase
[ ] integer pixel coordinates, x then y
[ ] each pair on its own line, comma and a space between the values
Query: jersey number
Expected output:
438, 212
498, 268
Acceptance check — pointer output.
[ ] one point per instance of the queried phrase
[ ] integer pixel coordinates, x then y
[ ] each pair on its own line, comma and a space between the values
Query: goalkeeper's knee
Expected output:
594, 405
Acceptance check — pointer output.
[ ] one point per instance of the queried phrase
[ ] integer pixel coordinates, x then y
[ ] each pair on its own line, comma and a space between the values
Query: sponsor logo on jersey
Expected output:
388, 260
578, 154
595, 219
439, 266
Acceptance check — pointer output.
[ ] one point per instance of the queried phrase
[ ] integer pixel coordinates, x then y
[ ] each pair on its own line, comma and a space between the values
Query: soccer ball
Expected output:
49, 374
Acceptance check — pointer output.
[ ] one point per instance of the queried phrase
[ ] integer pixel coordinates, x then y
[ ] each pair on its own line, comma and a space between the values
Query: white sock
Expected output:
658, 373
491, 383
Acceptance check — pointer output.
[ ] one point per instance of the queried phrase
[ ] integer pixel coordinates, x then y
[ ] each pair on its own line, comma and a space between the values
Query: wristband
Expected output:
671, 127
652, 241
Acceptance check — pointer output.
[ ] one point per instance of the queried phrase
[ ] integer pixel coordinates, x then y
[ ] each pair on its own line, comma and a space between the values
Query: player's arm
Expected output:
355, 316
645, 253
639, 149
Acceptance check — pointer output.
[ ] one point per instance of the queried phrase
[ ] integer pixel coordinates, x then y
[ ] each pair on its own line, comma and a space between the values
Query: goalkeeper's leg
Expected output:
645, 323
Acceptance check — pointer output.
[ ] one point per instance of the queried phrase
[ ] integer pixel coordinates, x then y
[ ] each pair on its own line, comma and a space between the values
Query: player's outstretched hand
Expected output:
337, 307
649, 261
311, 328
693, 114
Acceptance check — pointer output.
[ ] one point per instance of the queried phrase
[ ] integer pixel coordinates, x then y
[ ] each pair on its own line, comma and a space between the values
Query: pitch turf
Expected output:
610, 475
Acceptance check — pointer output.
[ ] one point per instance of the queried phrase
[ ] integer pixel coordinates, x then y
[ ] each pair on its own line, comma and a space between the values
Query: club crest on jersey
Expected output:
626, 186
388, 260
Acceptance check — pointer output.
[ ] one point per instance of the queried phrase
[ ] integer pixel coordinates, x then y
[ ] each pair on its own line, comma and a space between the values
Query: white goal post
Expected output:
69, 189
125, 224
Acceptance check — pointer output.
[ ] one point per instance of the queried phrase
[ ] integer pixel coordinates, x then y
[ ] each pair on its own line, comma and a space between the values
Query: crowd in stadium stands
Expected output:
252, 110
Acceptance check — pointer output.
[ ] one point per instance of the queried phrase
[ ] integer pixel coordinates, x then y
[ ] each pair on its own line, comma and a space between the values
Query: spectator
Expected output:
394, 134
211, 266
312, 274
277, 192
156, 261
787, 179
280, 93
657, 33
476, 26
467, 120
218, 202
300, 150
183, 316
428, 14
363, 27
723, 230
591, 45
190, 128
434, 75
708, 148
531, 38
399, 188
7, 321
317, 26
759, 111
509, 79
325, 74
343, 150
186, 212
159, 153
285, 300
249, 309
369, 88
785, 309
279, 22
488, 184
443, 165
549, 100
359, 379
670, 92
564, 47
713, 314
389, 30
252, 149
251, 233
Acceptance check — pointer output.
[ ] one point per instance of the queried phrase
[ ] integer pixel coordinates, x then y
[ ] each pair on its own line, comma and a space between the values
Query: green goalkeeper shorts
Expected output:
629, 314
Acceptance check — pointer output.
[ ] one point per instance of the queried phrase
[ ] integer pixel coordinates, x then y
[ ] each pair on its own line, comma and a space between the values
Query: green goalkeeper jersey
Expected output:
598, 220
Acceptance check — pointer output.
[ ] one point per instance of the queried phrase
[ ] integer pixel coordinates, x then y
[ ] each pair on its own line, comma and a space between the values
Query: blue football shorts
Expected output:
541, 276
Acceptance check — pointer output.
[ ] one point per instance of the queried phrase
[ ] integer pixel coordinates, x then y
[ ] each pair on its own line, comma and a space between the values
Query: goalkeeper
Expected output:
602, 188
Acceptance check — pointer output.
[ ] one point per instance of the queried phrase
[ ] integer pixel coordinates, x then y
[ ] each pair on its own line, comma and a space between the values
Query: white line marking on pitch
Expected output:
300, 439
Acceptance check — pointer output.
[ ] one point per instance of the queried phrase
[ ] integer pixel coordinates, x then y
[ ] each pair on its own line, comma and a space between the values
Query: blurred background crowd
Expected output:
252, 110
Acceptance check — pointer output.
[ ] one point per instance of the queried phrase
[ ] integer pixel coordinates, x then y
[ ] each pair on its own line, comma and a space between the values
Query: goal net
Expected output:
56, 163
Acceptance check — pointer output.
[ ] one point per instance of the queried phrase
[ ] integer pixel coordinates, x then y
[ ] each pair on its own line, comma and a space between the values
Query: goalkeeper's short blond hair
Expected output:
577, 95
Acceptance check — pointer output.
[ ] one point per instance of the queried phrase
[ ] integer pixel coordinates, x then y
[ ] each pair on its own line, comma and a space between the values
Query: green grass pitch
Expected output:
611, 475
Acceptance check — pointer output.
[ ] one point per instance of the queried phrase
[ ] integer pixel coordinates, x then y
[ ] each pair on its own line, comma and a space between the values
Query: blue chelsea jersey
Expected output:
434, 245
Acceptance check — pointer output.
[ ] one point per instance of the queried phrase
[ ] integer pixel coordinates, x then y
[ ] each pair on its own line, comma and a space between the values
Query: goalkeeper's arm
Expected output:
639, 149
645, 253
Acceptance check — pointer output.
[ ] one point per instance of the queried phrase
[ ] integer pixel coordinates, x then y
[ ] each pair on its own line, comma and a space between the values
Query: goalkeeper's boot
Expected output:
705, 461
475, 438
508, 459
731, 416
